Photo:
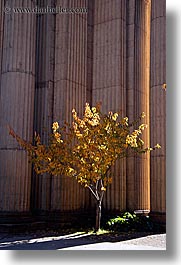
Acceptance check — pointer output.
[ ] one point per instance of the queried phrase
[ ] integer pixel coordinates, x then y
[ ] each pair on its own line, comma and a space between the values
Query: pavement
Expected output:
81, 241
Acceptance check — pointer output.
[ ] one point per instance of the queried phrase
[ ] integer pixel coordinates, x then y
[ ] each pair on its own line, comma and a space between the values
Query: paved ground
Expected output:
83, 241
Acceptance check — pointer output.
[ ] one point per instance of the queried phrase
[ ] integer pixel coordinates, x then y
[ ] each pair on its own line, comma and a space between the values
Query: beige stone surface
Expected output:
158, 106
17, 106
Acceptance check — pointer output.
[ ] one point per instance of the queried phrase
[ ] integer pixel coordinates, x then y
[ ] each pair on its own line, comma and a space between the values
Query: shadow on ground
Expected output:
53, 241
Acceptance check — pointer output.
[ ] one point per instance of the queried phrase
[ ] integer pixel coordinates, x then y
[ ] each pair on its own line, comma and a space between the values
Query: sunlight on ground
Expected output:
44, 239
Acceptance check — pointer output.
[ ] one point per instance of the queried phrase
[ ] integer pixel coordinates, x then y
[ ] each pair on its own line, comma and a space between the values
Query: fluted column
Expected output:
90, 45
158, 106
44, 88
138, 99
17, 105
69, 92
142, 97
1, 30
109, 80
130, 104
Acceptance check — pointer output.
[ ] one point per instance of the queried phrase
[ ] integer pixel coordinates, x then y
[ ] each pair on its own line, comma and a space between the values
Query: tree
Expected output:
87, 149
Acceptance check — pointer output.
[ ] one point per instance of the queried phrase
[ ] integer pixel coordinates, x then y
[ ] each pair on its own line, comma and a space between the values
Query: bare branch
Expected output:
102, 194
97, 198
97, 182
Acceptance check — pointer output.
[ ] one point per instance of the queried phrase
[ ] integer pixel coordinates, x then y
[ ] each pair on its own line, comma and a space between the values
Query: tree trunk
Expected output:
98, 216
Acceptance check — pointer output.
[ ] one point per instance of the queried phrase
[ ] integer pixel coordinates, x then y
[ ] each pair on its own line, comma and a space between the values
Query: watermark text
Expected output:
45, 10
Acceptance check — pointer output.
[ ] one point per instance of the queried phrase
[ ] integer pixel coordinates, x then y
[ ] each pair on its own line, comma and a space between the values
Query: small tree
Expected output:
88, 149
100, 140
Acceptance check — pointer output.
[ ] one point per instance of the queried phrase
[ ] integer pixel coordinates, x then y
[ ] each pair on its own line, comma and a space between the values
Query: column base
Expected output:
142, 212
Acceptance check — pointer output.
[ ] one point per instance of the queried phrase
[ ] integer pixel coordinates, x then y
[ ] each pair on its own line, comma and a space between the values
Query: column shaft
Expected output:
142, 97
109, 80
138, 96
17, 105
1, 31
158, 106
130, 104
69, 92
44, 91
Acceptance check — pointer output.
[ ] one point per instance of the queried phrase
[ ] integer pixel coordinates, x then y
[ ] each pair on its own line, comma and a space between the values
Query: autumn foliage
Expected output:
87, 149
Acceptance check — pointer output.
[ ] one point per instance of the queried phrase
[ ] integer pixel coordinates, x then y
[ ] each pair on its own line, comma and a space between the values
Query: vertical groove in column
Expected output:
17, 96
141, 93
158, 106
109, 82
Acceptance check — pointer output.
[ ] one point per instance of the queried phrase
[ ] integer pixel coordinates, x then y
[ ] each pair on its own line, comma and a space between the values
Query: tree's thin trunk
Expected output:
98, 216
98, 196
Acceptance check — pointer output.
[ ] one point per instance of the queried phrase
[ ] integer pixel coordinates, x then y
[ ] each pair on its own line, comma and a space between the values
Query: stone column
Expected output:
90, 45
142, 97
158, 106
17, 106
69, 92
1, 30
44, 89
138, 73
130, 104
109, 80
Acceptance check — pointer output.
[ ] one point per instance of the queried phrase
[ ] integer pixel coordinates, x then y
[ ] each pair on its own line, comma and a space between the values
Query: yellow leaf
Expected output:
164, 86
157, 146
55, 126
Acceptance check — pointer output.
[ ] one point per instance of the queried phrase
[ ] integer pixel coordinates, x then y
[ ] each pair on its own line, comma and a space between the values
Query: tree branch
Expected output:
97, 198
102, 194
97, 182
